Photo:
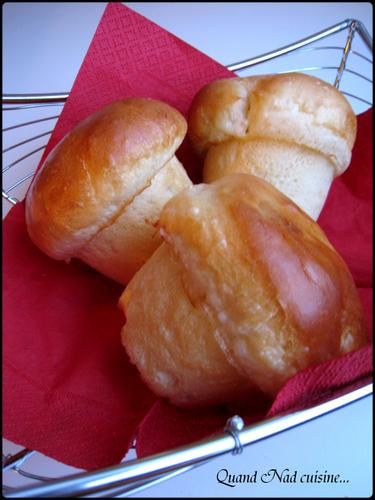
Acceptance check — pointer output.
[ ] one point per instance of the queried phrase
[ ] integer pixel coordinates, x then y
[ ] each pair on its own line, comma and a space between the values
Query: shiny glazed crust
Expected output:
263, 280
97, 172
172, 341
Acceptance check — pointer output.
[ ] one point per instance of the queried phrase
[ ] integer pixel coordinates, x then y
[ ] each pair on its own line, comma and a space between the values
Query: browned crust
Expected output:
280, 295
97, 169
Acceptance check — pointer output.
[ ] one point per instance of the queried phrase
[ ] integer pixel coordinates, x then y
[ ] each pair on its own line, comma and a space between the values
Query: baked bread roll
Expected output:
172, 341
99, 192
245, 292
293, 130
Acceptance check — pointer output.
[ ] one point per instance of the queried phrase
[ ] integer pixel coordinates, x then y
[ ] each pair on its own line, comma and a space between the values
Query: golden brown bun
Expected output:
293, 130
257, 276
133, 237
300, 173
101, 188
173, 342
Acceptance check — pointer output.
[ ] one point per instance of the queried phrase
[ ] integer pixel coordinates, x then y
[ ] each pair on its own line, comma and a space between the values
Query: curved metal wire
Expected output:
33, 138
361, 55
317, 68
29, 176
12, 461
30, 475
56, 97
10, 165
356, 97
151, 467
327, 47
337, 28
31, 106
12, 200
32, 122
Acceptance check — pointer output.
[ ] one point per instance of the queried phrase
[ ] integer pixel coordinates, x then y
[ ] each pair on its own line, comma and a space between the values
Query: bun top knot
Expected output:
291, 107
97, 169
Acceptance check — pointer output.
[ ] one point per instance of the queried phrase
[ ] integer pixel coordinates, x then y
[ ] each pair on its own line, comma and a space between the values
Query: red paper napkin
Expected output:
69, 390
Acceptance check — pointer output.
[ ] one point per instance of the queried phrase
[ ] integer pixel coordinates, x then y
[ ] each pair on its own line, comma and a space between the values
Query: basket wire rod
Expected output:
19, 182
358, 74
289, 48
31, 475
365, 35
137, 486
361, 55
62, 96
31, 106
8, 488
119, 492
328, 47
12, 461
34, 98
315, 68
29, 123
145, 468
319, 47
7, 167
26, 141
9, 198
348, 44
356, 97
287, 71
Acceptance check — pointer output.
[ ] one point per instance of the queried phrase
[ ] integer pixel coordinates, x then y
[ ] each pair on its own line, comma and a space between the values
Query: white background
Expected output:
44, 44
43, 47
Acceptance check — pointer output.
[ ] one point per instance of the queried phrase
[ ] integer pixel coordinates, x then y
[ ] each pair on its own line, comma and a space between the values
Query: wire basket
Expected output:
340, 55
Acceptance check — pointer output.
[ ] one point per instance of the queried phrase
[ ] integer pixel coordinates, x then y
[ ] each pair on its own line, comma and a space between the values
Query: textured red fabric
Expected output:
322, 382
347, 214
69, 390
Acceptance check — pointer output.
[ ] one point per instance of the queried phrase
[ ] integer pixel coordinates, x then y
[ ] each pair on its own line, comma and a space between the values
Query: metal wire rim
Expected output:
147, 468
355, 24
